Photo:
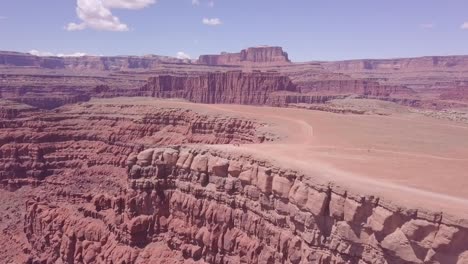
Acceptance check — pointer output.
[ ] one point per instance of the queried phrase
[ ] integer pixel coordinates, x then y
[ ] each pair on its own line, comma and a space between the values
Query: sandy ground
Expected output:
406, 157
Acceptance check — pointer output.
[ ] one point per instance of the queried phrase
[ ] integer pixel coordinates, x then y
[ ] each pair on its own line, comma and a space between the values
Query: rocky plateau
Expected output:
233, 158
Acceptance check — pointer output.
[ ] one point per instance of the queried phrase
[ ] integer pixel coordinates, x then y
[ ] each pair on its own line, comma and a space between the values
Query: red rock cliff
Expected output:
201, 205
355, 86
233, 87
97, 63
264, 55
429, 62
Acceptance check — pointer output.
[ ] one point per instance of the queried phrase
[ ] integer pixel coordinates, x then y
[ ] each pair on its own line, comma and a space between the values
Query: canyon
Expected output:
233, 158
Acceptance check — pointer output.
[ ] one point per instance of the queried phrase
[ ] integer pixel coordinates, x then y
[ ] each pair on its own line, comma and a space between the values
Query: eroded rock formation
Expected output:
255, 55
427, 62
123, 182
83, 149
233, 87
205, 205
95, 63
39, 144
358, 87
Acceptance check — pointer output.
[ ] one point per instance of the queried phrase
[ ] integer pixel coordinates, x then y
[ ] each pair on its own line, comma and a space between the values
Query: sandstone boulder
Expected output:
145, 157
397, 244
281, 186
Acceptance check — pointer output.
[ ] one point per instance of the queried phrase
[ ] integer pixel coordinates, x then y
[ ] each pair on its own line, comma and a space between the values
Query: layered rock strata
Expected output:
233, 87
214, 206
95, 63
428, 62
256, 55
78, 149
358, 87
35, 145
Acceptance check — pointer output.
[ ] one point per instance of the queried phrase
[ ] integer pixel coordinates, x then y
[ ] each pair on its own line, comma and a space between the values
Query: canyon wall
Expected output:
262, 88
355, 86
94, 63
205, 205
119, 180
79, 149
230, 87
420, 63
255, 55
459, 93
233, 87
36, 144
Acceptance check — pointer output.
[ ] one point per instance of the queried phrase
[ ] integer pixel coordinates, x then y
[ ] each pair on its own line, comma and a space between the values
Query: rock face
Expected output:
110, 181
233, 87
358, 87
85, 149
122, 181
400, 64
229, 87
199, 204
458, 93
101, 63
258, 75
256, 55
262, 88
38, 144
51, 101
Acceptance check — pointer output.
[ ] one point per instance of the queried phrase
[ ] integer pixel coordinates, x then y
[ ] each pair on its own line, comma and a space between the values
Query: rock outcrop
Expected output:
403, 64
459, 93
357, 87
39, 144
233, 87
113, 180
188, 204
256, 55
93, 63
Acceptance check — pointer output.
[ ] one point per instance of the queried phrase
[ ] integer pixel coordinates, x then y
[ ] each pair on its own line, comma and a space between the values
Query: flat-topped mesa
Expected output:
233, 87
94, 63
409, 64
261, 55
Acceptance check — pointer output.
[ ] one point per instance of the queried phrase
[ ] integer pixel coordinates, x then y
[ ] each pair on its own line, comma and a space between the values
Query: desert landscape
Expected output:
233, 158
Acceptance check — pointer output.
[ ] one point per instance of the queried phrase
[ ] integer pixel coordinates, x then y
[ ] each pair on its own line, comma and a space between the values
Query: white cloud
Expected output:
75, 27
183, 56
464, 25
128, 4
195, 2
96, 14
76, 54
40, 53
211, 4
212, 21
427, 25
49, 54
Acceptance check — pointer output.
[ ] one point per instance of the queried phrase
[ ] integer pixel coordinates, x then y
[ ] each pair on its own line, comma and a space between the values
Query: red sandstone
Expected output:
141, 180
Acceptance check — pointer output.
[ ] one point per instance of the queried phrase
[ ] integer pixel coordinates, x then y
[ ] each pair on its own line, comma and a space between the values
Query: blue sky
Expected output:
307, 29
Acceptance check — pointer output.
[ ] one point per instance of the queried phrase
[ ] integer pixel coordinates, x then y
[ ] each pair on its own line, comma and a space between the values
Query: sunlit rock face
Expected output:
197, 204
256, 55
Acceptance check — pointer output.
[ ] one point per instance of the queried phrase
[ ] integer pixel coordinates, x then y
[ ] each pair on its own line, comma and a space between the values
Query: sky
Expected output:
307, 29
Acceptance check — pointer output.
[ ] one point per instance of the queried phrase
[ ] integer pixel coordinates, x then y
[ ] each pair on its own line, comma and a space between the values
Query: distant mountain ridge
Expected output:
259, 56
102, 63
263, 55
